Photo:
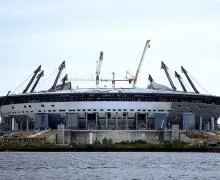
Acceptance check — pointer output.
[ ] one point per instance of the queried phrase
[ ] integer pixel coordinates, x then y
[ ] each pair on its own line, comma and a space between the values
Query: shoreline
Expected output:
113, 150
106, 146
108, 149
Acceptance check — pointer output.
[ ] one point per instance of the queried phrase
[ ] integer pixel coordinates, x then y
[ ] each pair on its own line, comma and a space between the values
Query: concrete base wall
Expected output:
89, 137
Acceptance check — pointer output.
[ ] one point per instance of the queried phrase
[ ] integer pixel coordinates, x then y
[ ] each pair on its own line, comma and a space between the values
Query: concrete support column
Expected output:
208, 126
13, 124
27, 124
96, 121
21, 125
116, 118
90, 138
106, 120
175, 132
86, 116
136, 121
212, 124
126, 121
146, 117
60, 134
200, 123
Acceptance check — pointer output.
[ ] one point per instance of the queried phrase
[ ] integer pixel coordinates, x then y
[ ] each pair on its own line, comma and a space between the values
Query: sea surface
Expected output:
109, 165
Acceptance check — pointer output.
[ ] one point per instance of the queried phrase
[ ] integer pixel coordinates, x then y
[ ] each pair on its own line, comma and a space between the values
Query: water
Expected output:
109, 165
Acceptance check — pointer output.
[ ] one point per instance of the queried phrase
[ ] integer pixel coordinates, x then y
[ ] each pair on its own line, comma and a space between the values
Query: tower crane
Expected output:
32, 79
61, 67
36, 82
164, 67
147, 45
98, 68
180, 80
190, 81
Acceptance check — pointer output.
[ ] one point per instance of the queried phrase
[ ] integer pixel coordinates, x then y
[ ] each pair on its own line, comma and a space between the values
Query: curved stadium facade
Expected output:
112, 109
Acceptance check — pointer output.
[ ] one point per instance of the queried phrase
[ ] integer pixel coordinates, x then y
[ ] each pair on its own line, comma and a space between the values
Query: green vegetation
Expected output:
27, 146
105, 145
139, 145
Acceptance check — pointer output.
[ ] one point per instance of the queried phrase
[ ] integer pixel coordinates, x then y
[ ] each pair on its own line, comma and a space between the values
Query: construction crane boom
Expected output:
180, 81
98, 68
190, 81
65, 78
164, 67
61, 67
150, 79
32, 79
37, 81
140, 63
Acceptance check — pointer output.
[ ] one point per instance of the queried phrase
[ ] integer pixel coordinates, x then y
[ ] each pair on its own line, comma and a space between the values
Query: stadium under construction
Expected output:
154, 107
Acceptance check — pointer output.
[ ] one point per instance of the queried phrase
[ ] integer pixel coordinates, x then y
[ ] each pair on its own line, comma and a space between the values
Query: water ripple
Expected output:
123, 165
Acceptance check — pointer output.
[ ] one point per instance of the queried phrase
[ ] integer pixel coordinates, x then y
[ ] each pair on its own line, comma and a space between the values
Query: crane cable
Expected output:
199, 84
41, 83
19, 86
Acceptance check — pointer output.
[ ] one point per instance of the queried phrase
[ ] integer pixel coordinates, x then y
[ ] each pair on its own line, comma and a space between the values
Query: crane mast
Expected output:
190, 81
98, 68
164, 67
36, 82
113, 80
147, 45
180, 81
32, 79
61, 67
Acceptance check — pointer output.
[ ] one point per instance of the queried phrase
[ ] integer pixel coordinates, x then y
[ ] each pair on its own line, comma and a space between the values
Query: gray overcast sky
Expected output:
183, 33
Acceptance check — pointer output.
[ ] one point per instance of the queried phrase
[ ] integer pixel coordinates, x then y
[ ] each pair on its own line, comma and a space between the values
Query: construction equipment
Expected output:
180, 80
164, 67
98, 68
64, 85
190, 81
32, 79
113, 80
150, 79
36, 82
65, 78
147, 45
61, 67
